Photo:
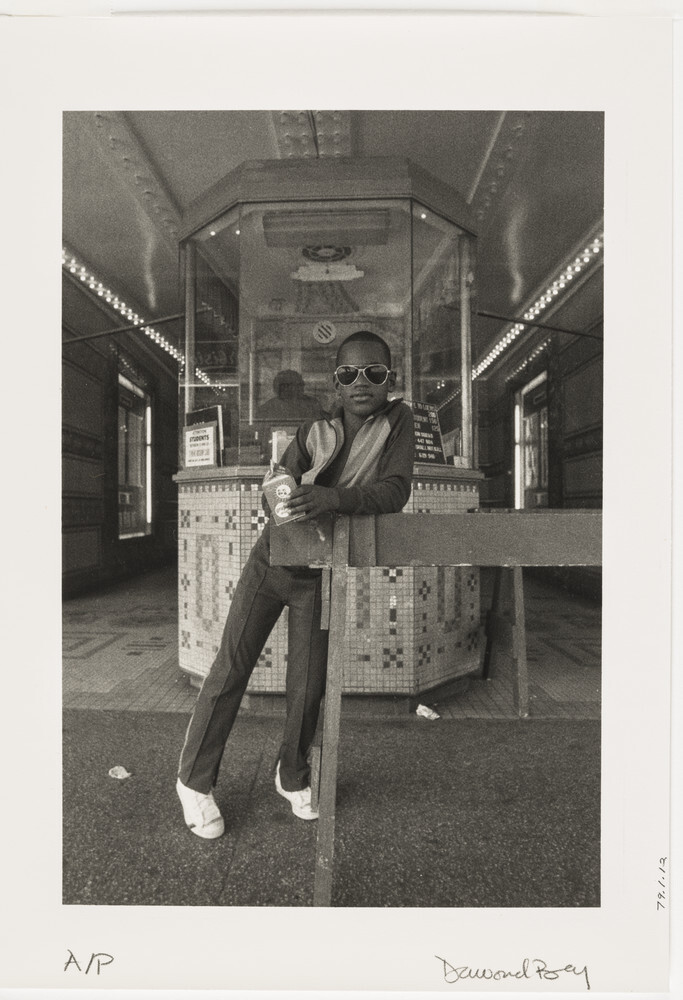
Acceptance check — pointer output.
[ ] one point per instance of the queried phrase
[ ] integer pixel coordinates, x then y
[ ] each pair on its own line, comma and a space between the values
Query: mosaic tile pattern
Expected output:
119, 653
408, 629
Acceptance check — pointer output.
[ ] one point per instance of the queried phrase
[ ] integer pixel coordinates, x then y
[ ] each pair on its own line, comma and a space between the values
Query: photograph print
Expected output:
332, 425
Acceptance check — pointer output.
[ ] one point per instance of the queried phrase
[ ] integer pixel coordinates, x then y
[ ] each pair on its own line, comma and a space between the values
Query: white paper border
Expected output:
619, 65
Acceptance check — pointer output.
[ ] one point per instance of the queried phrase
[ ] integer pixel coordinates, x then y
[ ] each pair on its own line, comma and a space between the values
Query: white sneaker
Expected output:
300, 800
202, 815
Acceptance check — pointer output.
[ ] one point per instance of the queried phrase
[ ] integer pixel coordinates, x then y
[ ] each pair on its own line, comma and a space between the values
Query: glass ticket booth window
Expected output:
282, 260
273, 288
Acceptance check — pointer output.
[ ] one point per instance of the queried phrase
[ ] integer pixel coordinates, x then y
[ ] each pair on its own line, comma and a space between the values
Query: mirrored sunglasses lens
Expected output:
377, 374
347, 374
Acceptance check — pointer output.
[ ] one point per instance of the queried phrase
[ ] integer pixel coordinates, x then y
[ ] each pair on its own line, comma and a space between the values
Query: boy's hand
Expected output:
312, 500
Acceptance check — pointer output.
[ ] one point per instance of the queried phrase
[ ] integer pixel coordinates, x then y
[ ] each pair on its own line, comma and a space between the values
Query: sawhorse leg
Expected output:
511, 632
324, 760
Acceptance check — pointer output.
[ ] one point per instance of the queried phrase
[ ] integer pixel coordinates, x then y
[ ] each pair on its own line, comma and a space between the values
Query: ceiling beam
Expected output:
312, 133
498, 163
128, 160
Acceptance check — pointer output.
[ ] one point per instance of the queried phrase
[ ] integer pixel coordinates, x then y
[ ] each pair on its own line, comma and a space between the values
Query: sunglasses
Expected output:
374, 374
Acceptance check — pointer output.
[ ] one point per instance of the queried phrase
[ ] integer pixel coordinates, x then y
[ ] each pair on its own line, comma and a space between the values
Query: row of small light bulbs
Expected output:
89, 279
552, 291
527, 361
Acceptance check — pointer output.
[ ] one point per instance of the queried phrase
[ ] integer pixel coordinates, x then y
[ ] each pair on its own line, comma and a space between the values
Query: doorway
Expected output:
531, 444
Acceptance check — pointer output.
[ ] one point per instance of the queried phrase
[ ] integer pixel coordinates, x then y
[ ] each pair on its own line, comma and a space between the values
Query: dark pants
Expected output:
261, 594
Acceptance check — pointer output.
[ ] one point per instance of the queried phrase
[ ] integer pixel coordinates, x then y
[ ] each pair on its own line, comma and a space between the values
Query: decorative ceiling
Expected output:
534, 182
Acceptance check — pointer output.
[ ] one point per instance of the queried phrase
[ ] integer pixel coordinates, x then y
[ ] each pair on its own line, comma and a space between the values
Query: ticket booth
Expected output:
281, 261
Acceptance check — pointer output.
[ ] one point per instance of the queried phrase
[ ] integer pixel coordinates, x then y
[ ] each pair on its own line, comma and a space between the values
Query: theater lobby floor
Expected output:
475, 808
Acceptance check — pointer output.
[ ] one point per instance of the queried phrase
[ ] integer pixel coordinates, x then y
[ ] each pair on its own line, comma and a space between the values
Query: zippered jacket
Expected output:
376, 478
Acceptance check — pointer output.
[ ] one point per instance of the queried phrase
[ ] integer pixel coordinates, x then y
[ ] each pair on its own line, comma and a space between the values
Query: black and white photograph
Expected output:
325, 273
360, 626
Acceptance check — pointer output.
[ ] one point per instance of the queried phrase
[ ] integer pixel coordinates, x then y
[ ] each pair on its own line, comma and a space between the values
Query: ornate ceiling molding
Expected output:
499, 161
312, 133
129, 161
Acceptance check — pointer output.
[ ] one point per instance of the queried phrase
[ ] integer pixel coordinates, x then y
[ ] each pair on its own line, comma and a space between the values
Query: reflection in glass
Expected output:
311, 274
275, 288
211, 382
441, 309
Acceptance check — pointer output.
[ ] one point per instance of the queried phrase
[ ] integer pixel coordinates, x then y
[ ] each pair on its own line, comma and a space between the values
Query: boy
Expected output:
360, 461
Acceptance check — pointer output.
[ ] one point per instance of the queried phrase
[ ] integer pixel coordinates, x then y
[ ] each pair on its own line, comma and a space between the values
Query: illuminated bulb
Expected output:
237, 232
423, 215
212, 233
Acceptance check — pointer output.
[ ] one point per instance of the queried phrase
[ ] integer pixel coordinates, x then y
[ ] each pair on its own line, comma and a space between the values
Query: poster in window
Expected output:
428, 441
201, 445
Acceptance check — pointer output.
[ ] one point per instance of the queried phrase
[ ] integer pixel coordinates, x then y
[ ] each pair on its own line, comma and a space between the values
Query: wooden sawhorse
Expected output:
541, 538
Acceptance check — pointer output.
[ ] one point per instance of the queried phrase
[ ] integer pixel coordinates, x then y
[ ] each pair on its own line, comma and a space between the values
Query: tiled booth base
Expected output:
409, 629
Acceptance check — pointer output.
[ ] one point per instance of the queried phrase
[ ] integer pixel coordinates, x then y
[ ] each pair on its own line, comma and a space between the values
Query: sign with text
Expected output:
428, 442
200, 445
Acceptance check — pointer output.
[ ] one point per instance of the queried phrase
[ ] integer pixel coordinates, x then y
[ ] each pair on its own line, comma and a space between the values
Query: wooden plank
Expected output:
322, 888
506, 635
543, 538
302, 544
363, 540
315, 752
491, 619
550, 538
325, 584
520, 673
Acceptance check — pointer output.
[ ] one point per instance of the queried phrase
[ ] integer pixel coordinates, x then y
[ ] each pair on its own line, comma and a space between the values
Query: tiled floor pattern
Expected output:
120, 651
120, 648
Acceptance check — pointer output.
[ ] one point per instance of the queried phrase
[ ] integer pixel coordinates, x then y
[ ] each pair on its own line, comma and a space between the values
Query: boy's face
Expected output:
363, 398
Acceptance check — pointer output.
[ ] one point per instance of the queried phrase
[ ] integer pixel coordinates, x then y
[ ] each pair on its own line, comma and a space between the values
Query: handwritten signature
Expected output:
530, 968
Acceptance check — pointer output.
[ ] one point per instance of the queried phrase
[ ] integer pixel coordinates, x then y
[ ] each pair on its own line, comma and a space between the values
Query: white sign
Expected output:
200, 445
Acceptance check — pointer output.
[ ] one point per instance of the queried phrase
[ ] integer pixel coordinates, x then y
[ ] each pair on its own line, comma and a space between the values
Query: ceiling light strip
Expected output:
527, 361
90, 280
589, 255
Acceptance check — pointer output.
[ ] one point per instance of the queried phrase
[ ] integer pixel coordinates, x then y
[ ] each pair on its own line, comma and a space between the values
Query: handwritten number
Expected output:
661, 896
